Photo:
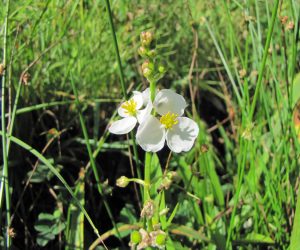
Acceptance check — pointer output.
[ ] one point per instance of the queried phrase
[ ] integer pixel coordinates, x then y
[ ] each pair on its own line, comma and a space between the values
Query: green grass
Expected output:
238, 186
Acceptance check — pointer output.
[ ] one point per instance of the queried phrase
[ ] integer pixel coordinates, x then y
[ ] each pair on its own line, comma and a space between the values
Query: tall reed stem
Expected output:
4, 139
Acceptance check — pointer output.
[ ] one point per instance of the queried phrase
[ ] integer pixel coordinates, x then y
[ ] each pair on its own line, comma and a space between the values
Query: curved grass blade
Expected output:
58, 175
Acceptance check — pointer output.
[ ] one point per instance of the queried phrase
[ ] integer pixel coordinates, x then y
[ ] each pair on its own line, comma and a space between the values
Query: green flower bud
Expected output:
146, 38
147, 72
152, 53
160, 239
135, 237
122, 182
147, 64
164, 211
142, 51
165, 183
173, 176
161, 69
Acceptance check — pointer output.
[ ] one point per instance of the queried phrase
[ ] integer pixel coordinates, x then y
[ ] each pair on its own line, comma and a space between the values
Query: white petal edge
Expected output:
182, 136
167, 100
144, 113
151, 135
123, 126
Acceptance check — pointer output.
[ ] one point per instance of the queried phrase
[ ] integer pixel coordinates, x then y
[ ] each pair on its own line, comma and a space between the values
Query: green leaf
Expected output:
43, 239
296, 90
128, 214
295, 238
57, 228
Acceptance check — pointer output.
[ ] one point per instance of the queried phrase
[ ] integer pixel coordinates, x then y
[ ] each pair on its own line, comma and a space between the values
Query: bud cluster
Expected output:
167, 180
152, 68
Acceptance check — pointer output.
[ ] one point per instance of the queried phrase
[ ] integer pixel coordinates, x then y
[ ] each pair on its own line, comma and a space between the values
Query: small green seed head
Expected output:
135, 237
160, 239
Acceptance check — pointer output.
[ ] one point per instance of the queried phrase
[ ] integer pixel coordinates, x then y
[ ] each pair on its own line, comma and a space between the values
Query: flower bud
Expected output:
122, 182
146, 38
164, 211
173, 176
142, 51
135, 237
148, 209
165, 183
147, 72
161, 68
152, 53
147, 64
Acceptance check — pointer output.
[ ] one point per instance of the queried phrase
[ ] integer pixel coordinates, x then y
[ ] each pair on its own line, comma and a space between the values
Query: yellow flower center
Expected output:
130, 107
169, 120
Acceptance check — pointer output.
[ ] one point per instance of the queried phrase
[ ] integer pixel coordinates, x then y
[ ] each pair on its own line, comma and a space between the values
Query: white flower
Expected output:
132, 113
179, 132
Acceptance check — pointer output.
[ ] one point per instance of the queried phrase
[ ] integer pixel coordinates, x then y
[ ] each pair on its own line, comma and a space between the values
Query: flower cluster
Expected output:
159, 121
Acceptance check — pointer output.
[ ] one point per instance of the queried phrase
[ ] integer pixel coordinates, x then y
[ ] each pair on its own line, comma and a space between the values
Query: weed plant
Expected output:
66, 68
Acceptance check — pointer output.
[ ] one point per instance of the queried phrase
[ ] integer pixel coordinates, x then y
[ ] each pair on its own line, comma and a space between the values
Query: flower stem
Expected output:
152, 90
147, 178
147, 181
4, 139
115, 42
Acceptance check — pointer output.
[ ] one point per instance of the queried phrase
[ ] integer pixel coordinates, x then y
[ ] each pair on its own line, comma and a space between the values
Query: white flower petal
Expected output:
146, 96
122, 112
151, 135
144, 113
123, 126
138, 98
167, 100
182, 136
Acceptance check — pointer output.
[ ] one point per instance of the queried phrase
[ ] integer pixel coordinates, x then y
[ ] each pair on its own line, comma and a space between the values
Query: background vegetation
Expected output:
235, 61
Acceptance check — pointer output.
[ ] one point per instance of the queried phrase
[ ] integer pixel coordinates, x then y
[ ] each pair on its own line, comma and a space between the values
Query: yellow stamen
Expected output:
169, 120
130, 107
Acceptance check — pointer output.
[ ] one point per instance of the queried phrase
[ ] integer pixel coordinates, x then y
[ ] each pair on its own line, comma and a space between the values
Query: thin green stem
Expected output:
264, 59
122, 81
147, 181
115, 42
5, 177
92, 159
147, 177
